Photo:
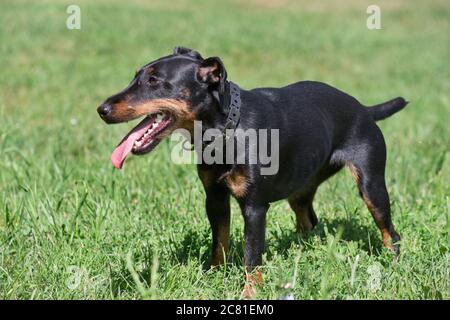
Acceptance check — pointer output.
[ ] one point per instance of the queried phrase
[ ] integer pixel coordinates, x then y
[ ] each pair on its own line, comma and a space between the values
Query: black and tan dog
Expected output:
321, 130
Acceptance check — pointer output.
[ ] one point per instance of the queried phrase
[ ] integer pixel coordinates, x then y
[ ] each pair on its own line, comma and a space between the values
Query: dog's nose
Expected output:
104, 110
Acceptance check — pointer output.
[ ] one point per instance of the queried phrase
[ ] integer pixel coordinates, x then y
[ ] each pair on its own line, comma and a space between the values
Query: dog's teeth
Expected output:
159, 117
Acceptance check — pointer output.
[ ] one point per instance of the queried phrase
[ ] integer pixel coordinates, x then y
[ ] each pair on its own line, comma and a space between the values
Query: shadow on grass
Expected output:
194, 244
122, 283
352, 231
197, 244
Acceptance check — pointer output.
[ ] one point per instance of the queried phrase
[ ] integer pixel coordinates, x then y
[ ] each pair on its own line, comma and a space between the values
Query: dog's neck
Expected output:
225, 113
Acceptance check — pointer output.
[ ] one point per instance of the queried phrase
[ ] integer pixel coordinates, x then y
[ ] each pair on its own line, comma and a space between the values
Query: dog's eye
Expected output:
153, 81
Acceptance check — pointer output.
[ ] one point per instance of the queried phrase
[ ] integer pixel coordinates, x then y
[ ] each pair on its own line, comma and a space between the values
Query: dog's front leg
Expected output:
255, 229
218, 211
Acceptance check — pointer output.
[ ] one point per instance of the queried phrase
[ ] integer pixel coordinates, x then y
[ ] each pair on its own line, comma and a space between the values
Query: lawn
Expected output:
72, 227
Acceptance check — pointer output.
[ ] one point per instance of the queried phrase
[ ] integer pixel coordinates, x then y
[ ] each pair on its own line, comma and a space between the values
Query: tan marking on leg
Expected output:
252, 281
221, 250
387, 240
380, 223
301, 213
355, 173
373, 210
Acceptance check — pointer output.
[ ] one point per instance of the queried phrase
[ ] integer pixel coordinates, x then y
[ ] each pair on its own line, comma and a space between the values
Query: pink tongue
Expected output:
124, 148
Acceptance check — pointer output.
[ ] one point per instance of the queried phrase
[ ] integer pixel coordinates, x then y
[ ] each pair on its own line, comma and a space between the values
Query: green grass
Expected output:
142, 232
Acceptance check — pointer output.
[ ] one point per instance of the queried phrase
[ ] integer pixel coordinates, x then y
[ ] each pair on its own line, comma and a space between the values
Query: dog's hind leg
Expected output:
302, 201
367, 165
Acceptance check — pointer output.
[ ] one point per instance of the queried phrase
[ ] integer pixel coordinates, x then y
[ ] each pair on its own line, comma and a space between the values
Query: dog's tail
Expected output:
386, 109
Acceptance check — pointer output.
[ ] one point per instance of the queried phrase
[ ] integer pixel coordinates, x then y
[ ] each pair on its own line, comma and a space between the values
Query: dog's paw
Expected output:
252, 281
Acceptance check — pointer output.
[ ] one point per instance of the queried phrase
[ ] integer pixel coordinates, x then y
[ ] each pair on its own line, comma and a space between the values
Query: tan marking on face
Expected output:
122, 110
176, 107
125, 111
150, 70
237, 182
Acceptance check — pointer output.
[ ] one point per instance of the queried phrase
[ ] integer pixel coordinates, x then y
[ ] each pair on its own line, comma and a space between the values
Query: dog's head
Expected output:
170, 93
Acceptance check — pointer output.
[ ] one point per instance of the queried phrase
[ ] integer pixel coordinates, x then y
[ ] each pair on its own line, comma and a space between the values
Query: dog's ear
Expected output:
188, 52
212, 72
